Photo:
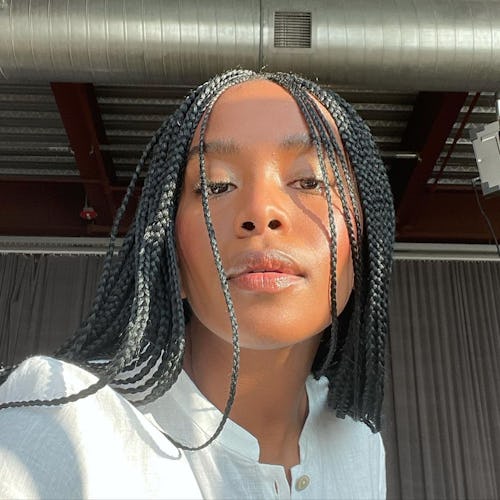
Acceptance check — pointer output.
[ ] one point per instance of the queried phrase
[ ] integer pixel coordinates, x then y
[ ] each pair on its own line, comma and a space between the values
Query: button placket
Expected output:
279, 484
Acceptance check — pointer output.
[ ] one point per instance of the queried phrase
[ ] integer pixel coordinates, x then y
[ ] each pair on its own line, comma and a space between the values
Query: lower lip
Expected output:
265, 282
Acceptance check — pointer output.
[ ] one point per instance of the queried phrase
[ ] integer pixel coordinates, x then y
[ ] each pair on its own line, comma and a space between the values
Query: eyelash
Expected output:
319, 184
213, 187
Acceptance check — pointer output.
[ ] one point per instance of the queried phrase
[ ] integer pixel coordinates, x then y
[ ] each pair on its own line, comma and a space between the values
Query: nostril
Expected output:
249, 226
274, 224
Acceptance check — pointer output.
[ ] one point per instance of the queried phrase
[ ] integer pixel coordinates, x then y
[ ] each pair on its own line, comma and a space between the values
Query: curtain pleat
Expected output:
445, 347
17, 275
43, 299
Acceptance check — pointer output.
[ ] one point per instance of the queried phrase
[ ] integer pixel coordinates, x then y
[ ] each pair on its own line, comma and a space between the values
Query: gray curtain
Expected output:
442, 407
445, 354
43, 299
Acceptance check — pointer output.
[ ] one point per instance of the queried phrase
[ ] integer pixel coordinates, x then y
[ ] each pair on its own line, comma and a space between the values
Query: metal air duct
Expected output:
389, 44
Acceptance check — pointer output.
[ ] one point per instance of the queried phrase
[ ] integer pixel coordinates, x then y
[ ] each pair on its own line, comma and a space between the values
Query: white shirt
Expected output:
103, 447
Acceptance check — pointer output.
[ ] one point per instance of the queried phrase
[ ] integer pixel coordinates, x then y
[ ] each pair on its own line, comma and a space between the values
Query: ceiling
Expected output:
61, 143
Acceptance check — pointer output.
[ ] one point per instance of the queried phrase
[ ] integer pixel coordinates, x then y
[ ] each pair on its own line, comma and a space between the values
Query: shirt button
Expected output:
302, 483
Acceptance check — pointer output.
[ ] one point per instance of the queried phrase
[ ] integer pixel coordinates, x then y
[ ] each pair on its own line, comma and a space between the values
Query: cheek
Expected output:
198, 273
200, 281
316, 227
191, 242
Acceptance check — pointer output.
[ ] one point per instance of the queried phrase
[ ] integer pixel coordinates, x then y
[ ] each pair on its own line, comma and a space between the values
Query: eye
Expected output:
216, 188
220, 187
309, 184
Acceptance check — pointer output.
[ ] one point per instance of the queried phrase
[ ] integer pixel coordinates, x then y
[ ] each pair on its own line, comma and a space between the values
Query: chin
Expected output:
280, 339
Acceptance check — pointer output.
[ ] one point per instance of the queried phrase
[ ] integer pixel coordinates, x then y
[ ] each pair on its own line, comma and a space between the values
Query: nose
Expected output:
262, 208
250, 226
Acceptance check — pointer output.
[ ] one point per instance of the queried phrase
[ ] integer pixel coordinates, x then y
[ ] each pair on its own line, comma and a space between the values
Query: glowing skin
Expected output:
259, 157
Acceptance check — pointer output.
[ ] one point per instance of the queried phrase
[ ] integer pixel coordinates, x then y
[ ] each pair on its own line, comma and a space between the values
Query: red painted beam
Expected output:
41, 209
31, 208
453, 216
428, 128
80, 114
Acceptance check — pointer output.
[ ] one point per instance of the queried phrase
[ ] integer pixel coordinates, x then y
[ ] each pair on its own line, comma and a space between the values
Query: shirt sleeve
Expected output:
99, 446
35, 442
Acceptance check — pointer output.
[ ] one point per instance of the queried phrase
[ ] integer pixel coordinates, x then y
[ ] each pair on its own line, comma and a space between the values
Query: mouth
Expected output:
266, 271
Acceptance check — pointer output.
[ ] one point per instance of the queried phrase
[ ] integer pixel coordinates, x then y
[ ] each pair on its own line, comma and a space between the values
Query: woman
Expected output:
248, 301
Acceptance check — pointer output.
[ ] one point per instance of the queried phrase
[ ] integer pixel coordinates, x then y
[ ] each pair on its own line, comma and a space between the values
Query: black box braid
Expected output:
137, 320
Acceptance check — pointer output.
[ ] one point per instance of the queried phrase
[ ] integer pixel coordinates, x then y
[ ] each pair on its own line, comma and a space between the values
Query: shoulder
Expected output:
43, 377
98, 446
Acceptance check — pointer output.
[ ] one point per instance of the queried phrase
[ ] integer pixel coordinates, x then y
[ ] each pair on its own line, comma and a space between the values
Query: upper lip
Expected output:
263, 261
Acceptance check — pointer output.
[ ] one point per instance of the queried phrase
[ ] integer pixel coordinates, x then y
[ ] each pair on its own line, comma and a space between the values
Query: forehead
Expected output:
258, 111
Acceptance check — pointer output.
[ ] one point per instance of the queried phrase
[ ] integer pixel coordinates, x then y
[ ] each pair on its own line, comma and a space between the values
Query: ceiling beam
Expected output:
453, 215
66, 179
33, 208
428, 128
82, 120
41, 209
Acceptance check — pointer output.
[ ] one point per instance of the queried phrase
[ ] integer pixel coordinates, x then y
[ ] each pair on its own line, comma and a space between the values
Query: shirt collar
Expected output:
189, 403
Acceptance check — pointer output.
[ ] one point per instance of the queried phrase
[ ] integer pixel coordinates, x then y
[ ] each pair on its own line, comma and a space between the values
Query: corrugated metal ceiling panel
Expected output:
33, 141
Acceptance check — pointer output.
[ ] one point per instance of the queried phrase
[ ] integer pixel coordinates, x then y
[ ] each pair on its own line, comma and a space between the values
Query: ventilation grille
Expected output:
292, 30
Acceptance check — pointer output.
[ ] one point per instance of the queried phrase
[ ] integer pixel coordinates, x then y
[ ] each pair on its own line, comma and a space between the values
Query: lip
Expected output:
266, 271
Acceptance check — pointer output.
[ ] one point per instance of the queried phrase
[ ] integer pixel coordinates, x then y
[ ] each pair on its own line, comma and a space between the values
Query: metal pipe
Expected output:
400, 44
399, 155
456, 138
98, 246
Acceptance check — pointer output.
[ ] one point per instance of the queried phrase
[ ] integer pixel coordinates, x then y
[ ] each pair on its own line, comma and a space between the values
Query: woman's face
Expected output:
270, 216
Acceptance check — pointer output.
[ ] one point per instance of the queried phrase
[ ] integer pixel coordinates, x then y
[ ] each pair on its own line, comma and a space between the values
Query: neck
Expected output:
271, 400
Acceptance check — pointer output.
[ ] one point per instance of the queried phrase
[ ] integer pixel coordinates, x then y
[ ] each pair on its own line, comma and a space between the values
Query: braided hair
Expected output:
137, 320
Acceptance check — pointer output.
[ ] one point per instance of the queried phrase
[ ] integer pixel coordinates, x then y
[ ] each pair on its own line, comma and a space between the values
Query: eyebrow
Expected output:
296, 141
220, 147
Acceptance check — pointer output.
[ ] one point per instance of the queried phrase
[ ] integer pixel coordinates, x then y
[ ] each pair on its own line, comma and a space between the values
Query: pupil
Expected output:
217, 188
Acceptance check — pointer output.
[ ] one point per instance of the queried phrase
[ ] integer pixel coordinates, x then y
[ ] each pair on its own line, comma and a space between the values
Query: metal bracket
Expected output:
486, 144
